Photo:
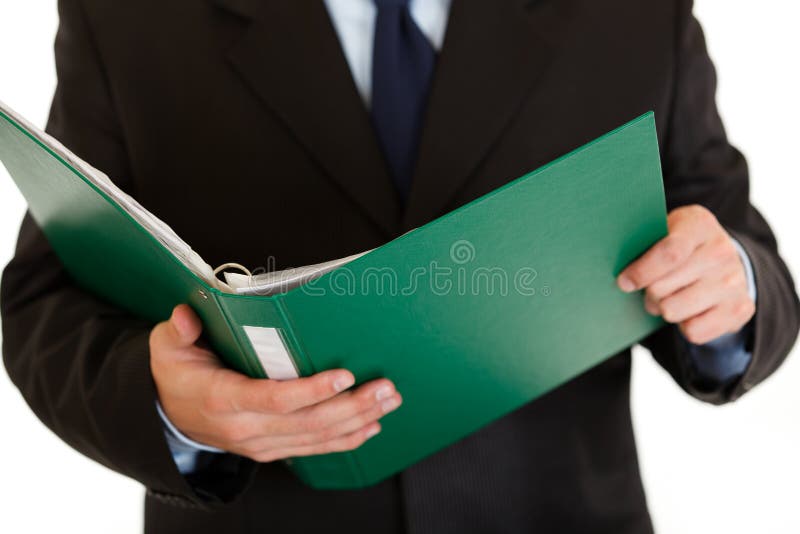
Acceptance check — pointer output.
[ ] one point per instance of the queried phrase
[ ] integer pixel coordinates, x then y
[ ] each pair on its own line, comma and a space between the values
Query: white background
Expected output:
706, 469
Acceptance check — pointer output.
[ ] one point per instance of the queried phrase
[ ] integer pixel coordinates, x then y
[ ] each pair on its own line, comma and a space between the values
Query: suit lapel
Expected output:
493, 53
290, 56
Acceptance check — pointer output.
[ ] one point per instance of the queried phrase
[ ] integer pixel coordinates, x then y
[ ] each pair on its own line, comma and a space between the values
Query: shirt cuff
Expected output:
189, 455
180, 436
748, 270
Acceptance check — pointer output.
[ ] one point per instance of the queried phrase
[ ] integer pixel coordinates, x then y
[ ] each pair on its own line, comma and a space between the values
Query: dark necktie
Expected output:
402, 69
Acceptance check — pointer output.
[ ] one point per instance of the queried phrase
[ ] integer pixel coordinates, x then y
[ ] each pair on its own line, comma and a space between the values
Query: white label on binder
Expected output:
272, 353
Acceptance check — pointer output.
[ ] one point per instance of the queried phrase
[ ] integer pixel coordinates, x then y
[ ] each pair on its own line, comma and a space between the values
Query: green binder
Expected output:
472, 315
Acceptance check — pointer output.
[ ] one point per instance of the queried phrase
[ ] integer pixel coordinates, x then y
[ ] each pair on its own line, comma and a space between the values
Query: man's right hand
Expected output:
262, 419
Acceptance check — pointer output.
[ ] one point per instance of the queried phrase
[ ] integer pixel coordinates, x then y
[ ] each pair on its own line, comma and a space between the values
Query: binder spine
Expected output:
303, 363
259, 332
242, 356
327, 471
271, 348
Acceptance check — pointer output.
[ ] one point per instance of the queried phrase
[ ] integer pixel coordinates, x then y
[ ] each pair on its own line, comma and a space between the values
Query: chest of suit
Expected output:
245, 131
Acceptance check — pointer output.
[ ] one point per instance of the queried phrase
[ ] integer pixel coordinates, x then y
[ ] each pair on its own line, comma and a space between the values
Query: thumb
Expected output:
185, 326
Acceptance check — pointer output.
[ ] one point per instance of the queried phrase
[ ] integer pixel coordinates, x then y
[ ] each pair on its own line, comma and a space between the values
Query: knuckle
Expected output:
235, 432
314, 434
364, 402
652, 308
347, 443
152, 339
669, 311
678, 214
216, 398
702, 214
722, 249
250, 450
656, 292
354, 440
306, 440
212, 403
636, 274
156, 343
744, 309
278, 403
312, 424
326, 434
266, 456
732, 280
320, 387
672, 250
260, 457
360, 423
693, 332
369, 416
281, 407
696, 338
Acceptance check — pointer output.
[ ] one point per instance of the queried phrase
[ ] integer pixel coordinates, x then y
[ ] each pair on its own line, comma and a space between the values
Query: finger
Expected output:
327, 433
181, 330
354, 423
693, 218
692, 300
287, 396
174, 340
664, 257
712, 255
724, 319
689, 227
340, 444
374, 394
338, 409
722, 284
185, 325
685, 275
651, 305
670, 284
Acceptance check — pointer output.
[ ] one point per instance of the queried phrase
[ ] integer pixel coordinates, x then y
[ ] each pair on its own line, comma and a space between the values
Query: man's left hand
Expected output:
694, 277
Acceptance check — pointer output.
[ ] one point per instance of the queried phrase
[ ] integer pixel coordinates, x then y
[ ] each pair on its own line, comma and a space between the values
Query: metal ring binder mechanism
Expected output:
225, 266
543, 251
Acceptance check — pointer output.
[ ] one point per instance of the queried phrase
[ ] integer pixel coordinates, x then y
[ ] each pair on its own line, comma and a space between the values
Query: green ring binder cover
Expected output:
472, 315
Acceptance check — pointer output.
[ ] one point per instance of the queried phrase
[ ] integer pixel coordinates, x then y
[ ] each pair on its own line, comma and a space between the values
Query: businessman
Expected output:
310, 129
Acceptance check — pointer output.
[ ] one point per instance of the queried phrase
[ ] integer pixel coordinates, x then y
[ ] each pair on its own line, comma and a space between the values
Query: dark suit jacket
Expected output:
197, 106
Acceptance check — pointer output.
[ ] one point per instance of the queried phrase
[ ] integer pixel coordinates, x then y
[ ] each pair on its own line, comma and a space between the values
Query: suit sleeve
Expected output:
82, 364
701, 167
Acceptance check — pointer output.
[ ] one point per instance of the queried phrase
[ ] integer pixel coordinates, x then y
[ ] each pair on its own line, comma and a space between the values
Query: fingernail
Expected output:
390, 404
343, 382
384, 392
625, 284
373, 431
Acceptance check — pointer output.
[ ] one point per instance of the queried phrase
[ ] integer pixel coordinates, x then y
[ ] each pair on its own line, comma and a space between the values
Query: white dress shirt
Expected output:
354, 22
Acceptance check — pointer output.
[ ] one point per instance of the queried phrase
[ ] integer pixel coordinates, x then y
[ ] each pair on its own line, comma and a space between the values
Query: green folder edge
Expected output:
229, 340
